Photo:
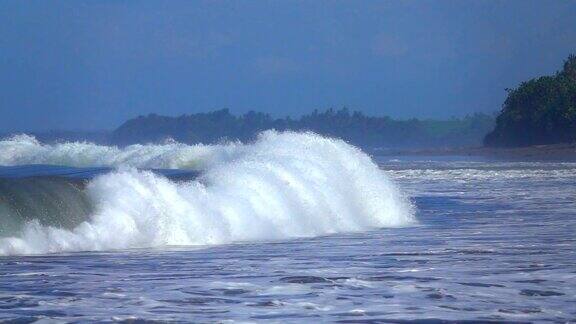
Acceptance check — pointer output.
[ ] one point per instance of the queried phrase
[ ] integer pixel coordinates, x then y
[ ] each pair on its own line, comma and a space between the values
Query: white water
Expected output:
285, 185
25, 149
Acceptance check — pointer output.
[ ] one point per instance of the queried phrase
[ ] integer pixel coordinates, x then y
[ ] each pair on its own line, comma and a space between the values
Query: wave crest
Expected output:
25, 149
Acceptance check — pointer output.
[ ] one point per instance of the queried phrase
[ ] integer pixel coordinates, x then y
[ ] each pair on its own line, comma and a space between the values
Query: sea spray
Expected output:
284, 185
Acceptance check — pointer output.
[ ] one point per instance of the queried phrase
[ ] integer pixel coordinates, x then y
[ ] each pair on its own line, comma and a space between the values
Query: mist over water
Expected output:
284, 185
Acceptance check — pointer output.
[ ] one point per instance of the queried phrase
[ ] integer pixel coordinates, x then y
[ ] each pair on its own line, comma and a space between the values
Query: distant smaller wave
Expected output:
24, 149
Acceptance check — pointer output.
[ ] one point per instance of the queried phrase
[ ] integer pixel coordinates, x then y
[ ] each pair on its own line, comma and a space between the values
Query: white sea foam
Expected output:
284, 185
25, 149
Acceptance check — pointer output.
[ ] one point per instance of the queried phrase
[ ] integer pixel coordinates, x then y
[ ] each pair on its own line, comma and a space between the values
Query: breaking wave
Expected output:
25, 149
284, 185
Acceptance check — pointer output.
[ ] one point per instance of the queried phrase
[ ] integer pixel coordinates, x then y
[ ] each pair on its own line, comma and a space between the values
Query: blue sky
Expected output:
94, 64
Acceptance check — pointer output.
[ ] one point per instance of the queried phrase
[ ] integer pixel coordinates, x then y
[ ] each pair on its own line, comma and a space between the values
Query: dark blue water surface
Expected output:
28, 171
495, 242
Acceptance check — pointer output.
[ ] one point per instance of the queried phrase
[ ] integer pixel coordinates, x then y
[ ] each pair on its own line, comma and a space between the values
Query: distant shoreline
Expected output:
553, 152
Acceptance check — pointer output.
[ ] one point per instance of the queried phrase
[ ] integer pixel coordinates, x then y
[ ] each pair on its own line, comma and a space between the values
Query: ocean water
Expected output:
291, 228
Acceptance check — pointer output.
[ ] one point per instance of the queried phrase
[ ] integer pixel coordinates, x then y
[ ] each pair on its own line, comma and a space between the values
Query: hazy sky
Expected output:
93, 64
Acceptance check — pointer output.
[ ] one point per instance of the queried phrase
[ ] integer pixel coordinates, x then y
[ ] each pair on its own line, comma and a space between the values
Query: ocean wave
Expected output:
24, 149
284, 185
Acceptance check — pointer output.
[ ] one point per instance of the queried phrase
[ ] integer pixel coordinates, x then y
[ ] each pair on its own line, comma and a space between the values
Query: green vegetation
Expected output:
354, 127
539, 111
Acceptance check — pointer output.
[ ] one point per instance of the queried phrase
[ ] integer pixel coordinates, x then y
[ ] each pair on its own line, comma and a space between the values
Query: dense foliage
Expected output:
539, 111
353, 127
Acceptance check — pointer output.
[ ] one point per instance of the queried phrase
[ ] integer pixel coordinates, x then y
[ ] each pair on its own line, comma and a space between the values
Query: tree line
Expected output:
354, 127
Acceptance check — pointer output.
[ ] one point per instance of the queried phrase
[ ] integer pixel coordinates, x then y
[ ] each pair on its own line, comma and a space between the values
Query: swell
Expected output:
284, 185
50, 201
